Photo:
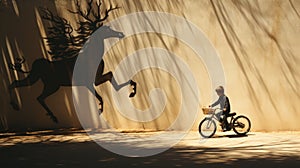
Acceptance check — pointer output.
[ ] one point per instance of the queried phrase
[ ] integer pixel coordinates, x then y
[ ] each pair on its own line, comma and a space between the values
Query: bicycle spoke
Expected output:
207, 128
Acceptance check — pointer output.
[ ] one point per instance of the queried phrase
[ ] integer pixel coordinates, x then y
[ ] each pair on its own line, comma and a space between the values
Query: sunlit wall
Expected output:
257, 42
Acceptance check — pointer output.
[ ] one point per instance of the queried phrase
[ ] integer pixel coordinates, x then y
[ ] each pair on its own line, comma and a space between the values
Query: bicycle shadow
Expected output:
231, 136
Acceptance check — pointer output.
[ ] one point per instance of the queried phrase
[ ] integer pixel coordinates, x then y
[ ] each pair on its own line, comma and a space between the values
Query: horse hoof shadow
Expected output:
15, 106
100, 111
54, 119
132, 83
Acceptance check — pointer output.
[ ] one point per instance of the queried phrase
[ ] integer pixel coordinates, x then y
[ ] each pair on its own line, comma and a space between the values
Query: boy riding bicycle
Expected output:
224, 106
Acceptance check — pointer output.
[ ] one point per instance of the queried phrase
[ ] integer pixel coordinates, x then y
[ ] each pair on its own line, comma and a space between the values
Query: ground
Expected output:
74, 148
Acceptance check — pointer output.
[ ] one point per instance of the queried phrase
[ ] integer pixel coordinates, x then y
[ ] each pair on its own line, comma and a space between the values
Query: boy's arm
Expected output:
216, 103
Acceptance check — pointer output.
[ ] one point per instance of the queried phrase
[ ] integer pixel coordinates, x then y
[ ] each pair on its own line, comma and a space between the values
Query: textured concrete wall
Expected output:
257, 42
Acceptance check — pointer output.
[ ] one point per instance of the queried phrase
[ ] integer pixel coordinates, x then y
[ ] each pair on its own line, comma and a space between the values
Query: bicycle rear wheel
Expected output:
207, 127
241, 125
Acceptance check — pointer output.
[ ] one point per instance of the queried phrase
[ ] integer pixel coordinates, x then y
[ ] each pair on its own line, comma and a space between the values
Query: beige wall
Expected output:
256, 40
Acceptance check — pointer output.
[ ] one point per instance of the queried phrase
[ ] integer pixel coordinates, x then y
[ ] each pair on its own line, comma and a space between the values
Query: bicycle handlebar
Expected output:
215, 108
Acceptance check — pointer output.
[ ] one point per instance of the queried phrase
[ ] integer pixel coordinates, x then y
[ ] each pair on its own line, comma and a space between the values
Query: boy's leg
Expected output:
225, 120
218, 115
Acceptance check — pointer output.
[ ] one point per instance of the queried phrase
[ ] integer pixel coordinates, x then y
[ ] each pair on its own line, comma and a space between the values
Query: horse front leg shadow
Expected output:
109, 77
117, 86
100, 79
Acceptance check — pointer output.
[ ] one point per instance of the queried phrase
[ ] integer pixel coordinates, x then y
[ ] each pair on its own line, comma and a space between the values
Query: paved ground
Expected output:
73, 148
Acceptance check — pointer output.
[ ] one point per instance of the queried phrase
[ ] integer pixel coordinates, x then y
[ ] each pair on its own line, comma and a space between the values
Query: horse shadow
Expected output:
55, 74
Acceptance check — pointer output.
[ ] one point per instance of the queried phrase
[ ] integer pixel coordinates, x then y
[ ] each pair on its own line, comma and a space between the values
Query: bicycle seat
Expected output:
231, 114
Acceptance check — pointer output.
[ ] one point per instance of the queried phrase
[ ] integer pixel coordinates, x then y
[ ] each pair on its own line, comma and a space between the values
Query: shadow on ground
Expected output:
231, 136
75, 149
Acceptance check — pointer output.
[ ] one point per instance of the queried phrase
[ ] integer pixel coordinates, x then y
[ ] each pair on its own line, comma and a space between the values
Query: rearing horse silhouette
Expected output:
59, 73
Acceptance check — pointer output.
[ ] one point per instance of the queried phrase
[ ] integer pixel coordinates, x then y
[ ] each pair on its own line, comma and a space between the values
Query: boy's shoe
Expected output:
224, 129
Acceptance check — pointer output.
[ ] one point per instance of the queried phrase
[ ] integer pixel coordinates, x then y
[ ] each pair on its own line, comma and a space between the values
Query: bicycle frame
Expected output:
213, 116
205, 126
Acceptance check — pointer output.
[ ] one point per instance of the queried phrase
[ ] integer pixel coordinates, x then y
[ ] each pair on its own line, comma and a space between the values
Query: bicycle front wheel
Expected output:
241, 125
207, 127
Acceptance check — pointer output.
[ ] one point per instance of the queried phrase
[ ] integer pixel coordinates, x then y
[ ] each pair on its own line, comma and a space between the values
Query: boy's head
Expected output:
220, 90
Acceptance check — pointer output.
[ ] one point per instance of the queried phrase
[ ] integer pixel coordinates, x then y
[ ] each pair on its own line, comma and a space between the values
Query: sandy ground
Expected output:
74, 148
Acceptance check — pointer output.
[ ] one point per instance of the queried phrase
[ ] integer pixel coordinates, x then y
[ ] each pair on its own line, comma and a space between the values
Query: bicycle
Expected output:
207, 128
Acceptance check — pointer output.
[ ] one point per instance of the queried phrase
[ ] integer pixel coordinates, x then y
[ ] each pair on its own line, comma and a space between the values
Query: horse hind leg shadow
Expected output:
94, 92
41, 99
28, 81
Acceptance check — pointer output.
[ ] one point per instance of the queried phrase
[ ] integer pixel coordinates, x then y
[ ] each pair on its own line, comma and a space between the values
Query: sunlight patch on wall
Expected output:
11, 55
95, 116
68, 104
3, 121
8, 70
43, 34
63, 8
21, 54
16, 9
6, 66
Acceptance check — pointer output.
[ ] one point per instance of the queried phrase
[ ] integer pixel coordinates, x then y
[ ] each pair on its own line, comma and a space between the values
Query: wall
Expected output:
256, 40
